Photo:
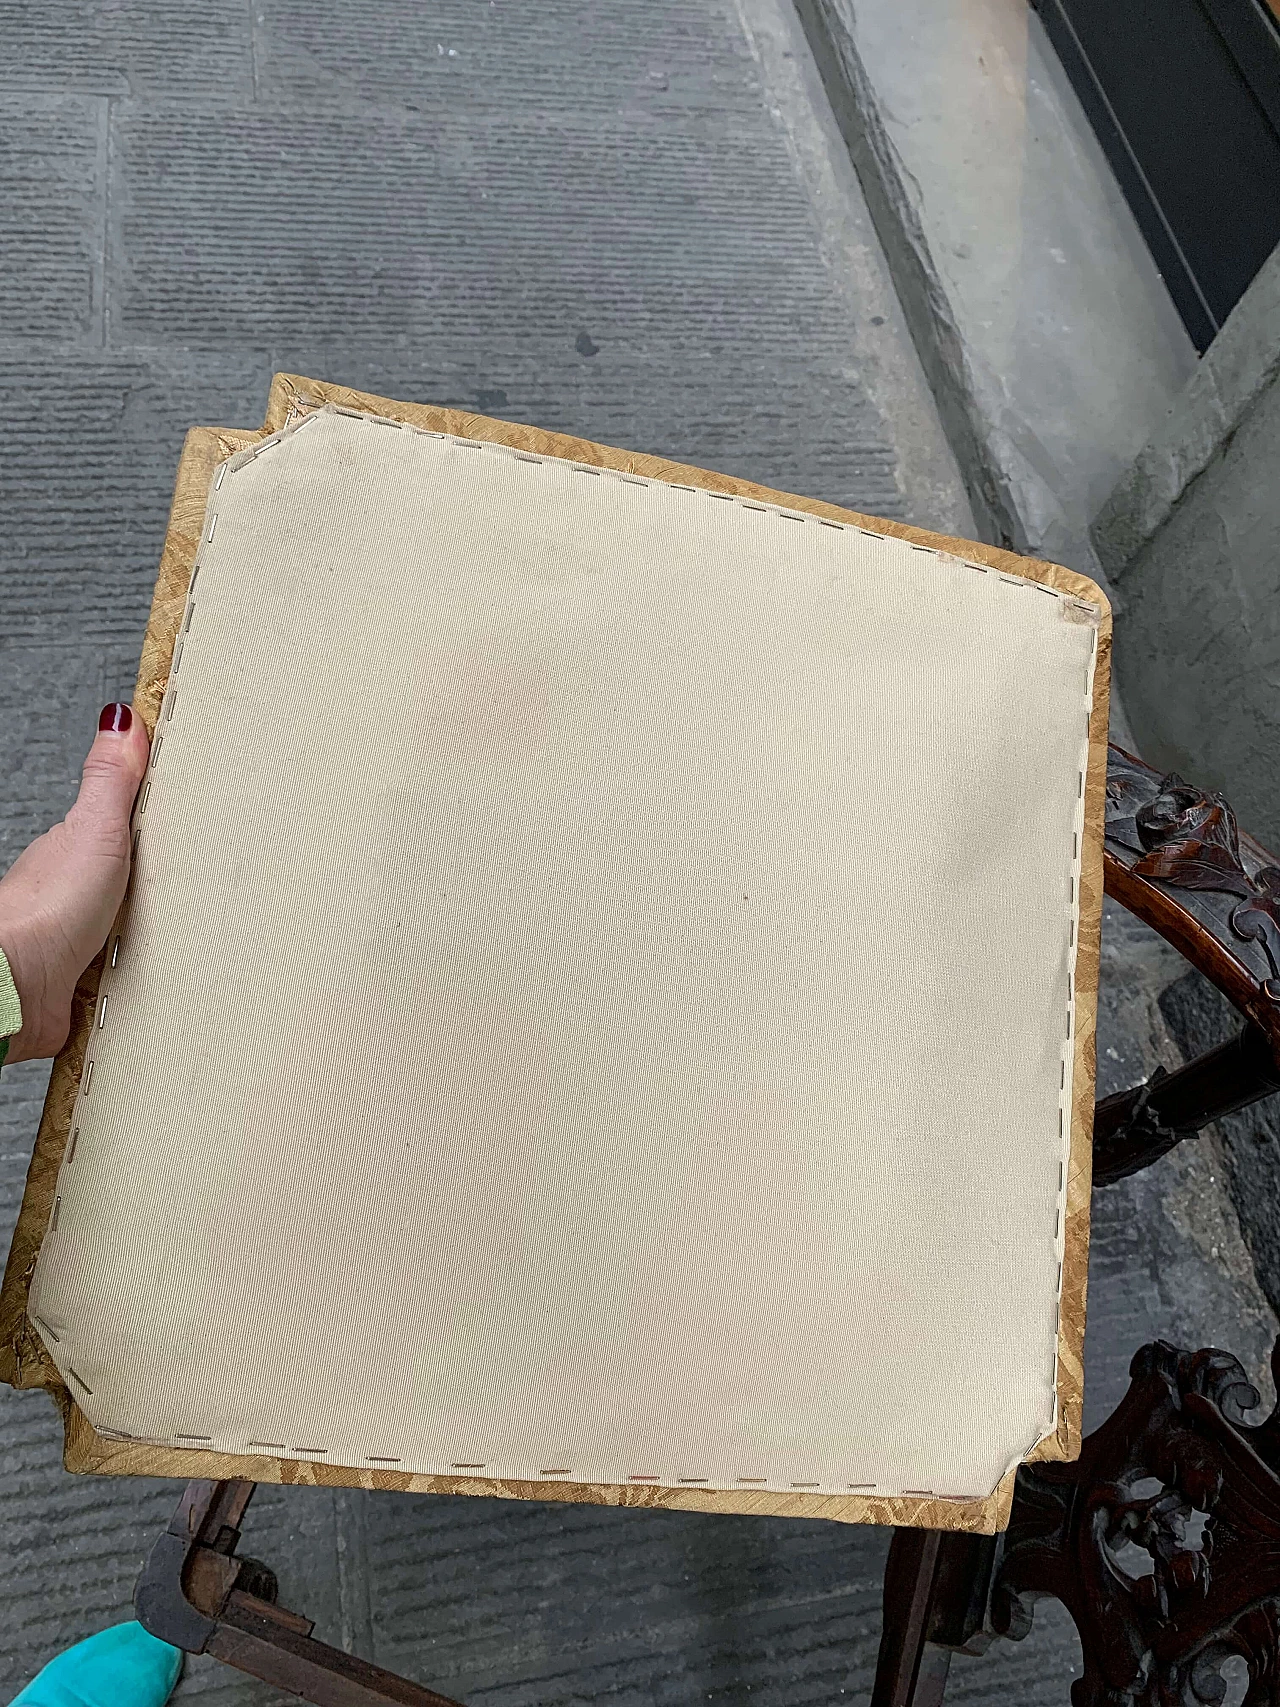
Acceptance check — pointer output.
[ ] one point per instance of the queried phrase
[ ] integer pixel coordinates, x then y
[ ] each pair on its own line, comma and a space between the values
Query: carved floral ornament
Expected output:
1163, 1540
1188, 839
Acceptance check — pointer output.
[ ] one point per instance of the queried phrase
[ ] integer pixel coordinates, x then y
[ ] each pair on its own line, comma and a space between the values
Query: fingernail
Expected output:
117, 718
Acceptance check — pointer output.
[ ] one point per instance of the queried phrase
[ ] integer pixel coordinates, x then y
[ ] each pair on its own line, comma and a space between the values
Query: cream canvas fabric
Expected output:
595, 999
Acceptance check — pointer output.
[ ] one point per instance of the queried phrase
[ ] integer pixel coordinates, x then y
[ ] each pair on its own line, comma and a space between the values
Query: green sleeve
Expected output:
10, 1007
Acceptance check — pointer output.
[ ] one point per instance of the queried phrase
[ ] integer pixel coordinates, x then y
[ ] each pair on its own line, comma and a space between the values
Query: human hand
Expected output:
60, 896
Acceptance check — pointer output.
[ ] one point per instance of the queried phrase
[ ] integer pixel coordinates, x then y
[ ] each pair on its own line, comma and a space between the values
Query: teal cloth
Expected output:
120, 1667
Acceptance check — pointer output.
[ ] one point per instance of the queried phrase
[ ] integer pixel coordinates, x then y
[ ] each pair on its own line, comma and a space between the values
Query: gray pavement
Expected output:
635, 223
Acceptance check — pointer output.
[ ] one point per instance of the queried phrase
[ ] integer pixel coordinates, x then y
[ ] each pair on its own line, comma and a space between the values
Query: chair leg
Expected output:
1162, 1540
199, 1594
911, 1671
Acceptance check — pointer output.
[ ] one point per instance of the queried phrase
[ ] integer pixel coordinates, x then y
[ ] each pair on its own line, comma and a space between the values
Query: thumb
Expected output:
59, 897
109, 781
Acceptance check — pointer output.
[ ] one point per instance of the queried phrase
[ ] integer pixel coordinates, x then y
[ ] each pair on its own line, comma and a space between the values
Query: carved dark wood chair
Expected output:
1175, 1470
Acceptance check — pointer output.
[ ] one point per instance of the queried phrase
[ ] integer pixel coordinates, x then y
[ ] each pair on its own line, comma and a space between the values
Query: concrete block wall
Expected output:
1191, 540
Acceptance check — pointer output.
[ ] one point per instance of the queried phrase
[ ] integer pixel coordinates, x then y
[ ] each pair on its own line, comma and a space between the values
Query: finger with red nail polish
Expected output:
60, 896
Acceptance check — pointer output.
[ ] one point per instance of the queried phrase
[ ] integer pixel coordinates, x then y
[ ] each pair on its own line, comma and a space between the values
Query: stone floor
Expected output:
638, 224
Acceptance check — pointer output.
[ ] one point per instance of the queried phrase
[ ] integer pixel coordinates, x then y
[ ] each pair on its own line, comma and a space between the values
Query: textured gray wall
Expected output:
1191, 538
1199, 1018
1047, 333
1198, 640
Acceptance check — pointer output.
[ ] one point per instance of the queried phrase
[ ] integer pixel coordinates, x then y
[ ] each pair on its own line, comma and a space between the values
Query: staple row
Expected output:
1064, 1111
315, 410
559, 1473
113, 961
250, 455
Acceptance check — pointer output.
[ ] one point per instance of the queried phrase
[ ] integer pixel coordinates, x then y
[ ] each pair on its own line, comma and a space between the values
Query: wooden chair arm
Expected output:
1175, 857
